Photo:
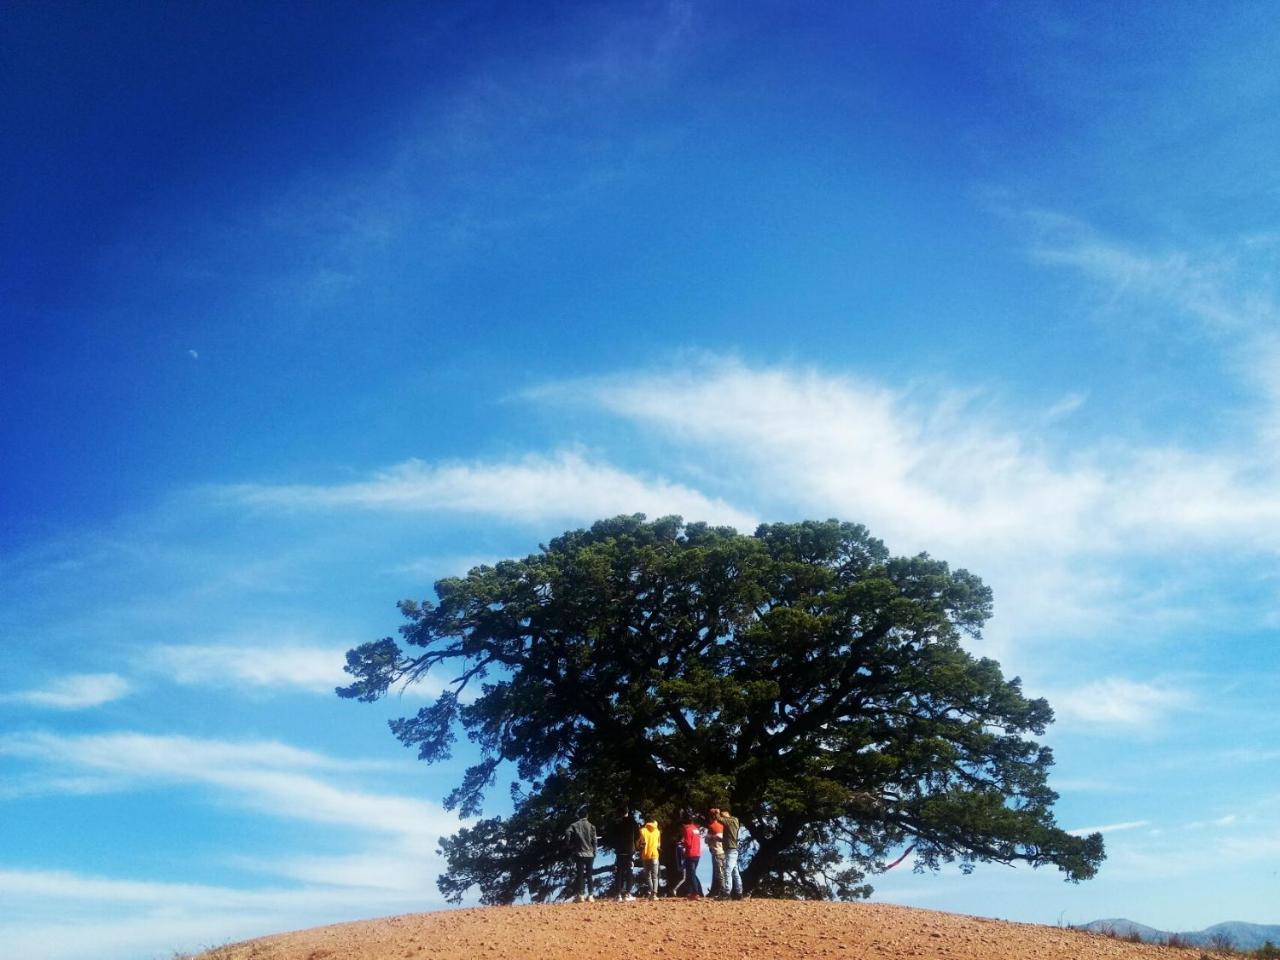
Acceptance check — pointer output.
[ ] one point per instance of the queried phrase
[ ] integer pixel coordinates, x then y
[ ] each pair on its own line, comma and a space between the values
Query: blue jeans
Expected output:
732, 875
691, 876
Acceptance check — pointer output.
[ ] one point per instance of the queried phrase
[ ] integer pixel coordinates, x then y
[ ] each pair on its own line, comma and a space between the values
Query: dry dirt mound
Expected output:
685, 930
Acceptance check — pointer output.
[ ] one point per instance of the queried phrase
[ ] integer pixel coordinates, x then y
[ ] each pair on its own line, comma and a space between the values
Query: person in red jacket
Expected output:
691, 837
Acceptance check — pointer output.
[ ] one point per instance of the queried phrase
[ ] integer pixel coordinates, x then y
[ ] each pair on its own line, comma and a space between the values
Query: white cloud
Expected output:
1226, 291
1059, 531
74, 692
924, 473
1229, 820
268, 776
942, 472
409, 869
312, 668
173, 757
1068, 405
1109, 828
245, 667
534, 489
64, 885
61, 915
1200, 283
1055, 533
1117, 704
395, 869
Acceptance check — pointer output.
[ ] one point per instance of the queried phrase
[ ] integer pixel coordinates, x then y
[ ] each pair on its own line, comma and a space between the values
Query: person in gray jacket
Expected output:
580, 841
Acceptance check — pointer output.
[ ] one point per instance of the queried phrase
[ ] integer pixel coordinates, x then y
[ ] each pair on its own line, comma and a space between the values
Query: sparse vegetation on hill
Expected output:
1235, 938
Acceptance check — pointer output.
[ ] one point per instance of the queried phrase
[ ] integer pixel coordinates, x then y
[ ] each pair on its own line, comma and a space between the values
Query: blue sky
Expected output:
305, 307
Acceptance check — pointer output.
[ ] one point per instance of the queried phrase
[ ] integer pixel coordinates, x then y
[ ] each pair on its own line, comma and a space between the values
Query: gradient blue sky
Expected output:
305, 306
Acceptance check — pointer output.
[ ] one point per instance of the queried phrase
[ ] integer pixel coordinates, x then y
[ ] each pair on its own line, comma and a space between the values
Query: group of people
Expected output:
718, 832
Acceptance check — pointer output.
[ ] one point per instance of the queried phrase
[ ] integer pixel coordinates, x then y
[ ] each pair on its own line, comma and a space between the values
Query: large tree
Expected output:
800, 675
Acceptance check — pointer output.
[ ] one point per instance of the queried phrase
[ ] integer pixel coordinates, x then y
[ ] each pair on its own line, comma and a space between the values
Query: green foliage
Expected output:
801, 676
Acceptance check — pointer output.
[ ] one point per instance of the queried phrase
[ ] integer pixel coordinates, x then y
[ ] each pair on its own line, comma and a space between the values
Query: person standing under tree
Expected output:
732, 875
580, 841
649, 845
622, 841
715, 844
692, 839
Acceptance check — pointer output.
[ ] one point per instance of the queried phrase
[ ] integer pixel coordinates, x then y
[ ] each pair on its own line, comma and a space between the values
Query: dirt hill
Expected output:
684, 930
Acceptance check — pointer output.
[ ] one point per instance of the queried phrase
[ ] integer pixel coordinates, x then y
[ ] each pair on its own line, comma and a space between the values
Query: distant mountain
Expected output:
1244, 936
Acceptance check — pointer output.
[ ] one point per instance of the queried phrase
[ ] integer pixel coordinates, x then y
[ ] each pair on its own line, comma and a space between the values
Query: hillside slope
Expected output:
683, 930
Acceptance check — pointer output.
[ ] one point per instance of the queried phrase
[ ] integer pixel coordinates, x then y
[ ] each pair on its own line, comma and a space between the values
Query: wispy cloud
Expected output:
1118, 705
941, 471
924, 471
62, 915
460, 173
264, 668
311, 668
78, 691
268, 776
393, 869
1057, 529
1222, 292
1201, 282
1068, 405
172, 757
566, 486
1110, 828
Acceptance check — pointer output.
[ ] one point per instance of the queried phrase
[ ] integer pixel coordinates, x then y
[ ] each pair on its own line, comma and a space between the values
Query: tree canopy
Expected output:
801, 676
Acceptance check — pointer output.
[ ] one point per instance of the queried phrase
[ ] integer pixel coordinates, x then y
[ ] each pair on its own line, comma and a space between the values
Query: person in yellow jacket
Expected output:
648, 843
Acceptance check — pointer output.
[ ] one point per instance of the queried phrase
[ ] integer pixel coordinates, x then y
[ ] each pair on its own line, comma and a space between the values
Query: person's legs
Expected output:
582, 877
732, 875
717, 874
691, 877
622, 875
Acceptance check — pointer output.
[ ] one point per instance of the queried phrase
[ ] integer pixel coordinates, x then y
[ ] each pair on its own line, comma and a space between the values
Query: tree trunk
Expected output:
766, 854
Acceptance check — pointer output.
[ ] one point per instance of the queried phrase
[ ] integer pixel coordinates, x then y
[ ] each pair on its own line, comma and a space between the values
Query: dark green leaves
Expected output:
801, 675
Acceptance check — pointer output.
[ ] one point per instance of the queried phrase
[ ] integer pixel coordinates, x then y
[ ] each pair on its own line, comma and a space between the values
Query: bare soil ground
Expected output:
689, 930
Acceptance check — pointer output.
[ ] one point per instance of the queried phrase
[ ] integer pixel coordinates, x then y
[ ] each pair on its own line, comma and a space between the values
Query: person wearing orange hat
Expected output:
715, 844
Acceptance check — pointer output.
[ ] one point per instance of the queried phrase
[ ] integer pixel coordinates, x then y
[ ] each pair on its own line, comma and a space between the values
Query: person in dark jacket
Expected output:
732, 875
580, 841
622, 841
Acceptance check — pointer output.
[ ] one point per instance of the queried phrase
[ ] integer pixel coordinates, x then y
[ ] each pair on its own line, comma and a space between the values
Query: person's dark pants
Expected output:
622, 874
583, 867
691, 877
